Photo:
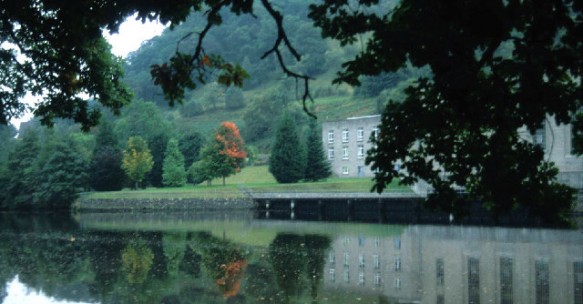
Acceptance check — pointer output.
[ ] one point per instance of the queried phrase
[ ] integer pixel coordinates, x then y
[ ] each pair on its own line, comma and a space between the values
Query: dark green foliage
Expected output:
63, 176
288, 157
105, 171
200, 171
463, 119
190, 145
24, 171
174, 174
317, 166
191, 108
157, 146
7, 140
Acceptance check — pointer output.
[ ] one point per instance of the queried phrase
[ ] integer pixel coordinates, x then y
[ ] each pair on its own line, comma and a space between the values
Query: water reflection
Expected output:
231, 258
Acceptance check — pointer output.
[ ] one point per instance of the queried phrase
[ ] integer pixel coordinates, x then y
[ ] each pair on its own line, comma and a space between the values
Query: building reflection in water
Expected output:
433, 264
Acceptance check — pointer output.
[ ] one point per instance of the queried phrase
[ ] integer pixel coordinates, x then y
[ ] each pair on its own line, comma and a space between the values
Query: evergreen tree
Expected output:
287, 161
63, 176
137, 160
317, 166
174, 173
23, 165
106, 173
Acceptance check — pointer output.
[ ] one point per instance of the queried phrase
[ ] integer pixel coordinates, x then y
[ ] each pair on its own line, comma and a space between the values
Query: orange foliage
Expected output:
230, 282
228, 135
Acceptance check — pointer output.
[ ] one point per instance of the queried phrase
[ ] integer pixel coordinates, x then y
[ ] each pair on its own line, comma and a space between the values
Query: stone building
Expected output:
453, 264
346, 142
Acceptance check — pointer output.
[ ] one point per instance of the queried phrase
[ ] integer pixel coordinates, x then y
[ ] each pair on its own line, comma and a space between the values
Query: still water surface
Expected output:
236, 258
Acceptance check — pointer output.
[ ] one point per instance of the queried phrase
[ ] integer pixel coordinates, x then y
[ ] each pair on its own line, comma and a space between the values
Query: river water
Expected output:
245, 258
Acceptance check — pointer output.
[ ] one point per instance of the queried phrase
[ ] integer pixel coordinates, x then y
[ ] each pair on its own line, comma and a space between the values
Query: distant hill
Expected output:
244, 39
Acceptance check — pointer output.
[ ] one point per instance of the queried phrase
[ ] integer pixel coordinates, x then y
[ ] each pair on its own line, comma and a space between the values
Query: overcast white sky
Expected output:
129, 38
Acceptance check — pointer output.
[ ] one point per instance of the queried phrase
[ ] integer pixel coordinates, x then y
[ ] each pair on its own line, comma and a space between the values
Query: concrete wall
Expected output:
352, 164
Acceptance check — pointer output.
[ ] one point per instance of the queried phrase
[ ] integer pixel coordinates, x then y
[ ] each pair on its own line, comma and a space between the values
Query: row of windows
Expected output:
377, 242
361, 278
346, 132
361, 261
345, 154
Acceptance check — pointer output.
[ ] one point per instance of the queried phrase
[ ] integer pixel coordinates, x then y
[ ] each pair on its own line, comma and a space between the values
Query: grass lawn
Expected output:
254, 179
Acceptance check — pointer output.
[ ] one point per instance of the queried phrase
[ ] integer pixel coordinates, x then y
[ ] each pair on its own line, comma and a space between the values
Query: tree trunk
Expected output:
224, 183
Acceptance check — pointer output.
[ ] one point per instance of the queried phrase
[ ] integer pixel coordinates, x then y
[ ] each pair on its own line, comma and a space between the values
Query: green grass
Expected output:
254, 179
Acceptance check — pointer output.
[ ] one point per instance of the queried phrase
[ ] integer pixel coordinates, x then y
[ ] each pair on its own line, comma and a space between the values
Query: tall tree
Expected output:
225, 154
24, 168
174, 173
317, 165
62, 177
288, 157
137, 160
106, 173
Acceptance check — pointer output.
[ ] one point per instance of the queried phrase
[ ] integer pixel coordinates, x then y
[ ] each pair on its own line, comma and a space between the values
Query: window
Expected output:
361, 261
361, 239
346, 276
439, 272
397, 264
398, 283
440, 299
376, 261
346, 259
377, 279
398, 243
331, 153
539, 138
541, 276
332, 258
473, 280
360, 134
345, 170
360, 151
506, 280
377, 241
345, 135
331, 136
344, 152
375, 132
332, 275
361, 279
578, 282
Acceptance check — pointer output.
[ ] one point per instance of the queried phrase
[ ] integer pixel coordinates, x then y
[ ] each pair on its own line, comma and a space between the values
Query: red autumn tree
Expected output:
225, 155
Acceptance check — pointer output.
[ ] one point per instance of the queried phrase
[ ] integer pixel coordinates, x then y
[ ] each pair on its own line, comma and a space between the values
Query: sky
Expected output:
129, 38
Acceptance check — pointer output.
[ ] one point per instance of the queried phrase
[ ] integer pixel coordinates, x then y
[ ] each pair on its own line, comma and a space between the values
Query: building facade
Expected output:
557, 143
346, 143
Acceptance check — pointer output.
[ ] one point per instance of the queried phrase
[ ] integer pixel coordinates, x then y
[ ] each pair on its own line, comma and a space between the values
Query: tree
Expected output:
106, 173
174, 173
225, 154
317, 166
24, 168
62, 177
288, 160
137, 160
459, 126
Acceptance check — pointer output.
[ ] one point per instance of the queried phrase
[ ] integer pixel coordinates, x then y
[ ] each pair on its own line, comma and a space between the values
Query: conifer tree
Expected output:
287, 161
174, 174
317, 166
106, 173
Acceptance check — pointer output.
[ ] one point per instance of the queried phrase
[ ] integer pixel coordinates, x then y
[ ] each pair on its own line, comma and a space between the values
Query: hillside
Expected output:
255, 108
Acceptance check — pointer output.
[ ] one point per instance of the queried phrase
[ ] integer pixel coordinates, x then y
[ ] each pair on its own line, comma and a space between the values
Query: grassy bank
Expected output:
250, 179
